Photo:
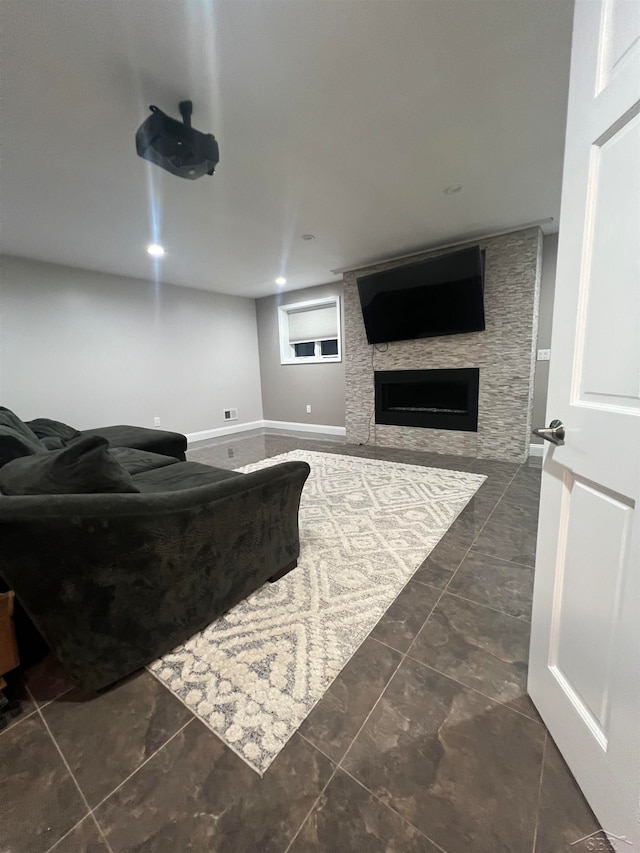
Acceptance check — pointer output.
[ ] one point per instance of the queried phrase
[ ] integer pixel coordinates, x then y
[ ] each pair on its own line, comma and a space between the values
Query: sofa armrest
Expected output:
142, 438
111, 589
32, 507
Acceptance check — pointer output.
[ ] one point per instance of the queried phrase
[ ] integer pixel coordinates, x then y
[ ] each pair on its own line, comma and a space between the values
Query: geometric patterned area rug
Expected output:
365, 527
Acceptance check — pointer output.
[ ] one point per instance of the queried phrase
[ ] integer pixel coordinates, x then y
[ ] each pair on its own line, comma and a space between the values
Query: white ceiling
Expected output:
340, 118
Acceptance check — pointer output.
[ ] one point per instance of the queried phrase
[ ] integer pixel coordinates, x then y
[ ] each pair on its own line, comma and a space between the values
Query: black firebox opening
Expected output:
441, 399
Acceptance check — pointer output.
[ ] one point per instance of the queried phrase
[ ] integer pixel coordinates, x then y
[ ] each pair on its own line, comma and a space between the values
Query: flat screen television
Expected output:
440, 296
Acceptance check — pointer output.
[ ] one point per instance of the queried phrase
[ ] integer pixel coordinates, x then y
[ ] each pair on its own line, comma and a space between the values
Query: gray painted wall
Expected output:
504, 352
547, 290
94, 349
287, 388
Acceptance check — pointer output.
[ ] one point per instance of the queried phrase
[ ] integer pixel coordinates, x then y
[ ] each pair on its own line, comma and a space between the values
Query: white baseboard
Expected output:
323, 428
205, 434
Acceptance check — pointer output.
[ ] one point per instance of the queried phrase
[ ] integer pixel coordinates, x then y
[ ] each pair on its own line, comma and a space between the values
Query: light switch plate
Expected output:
544, 354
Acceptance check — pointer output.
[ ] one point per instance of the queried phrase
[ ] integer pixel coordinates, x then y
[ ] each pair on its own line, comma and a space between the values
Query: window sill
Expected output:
311, 359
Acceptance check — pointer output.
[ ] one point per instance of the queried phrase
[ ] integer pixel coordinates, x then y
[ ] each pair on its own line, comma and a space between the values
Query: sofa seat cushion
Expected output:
16, 438
84, 467
138, 461
53, 442
141, 438
185, 475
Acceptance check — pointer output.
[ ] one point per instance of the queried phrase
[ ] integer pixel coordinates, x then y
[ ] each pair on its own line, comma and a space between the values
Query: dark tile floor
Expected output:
426, 741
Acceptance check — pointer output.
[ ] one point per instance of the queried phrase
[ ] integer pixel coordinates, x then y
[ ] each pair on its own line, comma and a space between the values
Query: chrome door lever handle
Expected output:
554, 432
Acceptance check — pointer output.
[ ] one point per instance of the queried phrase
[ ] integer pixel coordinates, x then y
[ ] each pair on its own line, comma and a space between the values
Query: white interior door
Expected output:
584, 672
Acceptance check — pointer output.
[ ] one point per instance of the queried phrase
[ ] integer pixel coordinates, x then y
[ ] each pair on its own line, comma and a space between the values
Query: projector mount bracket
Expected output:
186, 111
186, 108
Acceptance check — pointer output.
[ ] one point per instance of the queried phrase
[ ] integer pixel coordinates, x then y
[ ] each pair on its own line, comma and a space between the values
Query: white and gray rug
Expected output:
365, 527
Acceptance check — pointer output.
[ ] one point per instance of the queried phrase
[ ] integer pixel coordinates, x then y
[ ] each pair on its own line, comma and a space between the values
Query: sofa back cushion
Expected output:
16, 438
47, 428
84, 467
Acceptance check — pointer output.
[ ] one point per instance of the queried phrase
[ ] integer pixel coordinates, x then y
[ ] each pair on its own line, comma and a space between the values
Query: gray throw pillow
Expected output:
84, 467
16, 438
47, 428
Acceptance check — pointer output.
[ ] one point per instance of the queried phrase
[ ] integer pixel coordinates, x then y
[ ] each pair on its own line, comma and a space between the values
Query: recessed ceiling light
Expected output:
453, 189
281, 280
308, 237
155, 250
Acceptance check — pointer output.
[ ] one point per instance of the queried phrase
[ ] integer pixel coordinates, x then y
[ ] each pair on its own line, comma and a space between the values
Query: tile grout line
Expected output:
457, 681
72, 775
479, 692
54, 698
91, 809
318, 748
68, 833
315, 803
374, 706
337, 764
36, 708
403, 655
501, 559
509, 501
387, 806
544, 752
488, 607
141, 765
17, 722
475, 538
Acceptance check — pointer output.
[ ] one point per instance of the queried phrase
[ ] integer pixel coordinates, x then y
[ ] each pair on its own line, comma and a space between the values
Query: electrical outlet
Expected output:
230, 414
308, 408
156, 421
544, 354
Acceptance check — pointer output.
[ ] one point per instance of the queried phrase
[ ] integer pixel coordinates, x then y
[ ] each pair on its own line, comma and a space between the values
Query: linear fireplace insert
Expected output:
441, 399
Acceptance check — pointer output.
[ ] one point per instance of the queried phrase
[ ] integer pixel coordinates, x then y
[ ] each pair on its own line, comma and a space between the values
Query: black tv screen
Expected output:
440, 296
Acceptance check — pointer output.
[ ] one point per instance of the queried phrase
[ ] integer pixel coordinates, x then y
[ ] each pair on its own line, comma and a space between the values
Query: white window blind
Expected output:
313, 324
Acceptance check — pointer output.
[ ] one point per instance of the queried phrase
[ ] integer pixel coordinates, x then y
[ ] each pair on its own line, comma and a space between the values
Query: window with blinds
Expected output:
310, 331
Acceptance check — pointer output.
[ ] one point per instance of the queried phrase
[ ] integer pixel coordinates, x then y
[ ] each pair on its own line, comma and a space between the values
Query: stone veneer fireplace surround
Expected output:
504, 353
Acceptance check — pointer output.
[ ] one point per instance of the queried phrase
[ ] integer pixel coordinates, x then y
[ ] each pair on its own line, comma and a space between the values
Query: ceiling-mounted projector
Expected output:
176, 147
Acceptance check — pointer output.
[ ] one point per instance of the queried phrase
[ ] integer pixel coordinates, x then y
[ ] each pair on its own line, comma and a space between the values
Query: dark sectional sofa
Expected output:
116, 579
